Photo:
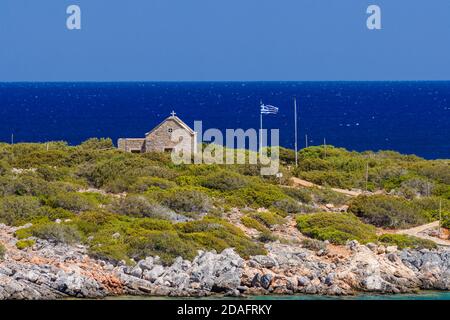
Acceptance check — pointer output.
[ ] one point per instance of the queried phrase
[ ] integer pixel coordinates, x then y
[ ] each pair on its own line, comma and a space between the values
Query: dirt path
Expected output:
419, 233
297, 182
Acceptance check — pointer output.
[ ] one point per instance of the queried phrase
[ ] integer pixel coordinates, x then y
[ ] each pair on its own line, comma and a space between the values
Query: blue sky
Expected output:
200, 40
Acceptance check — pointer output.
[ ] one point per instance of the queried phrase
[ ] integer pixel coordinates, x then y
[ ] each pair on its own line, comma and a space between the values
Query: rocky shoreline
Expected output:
56, 271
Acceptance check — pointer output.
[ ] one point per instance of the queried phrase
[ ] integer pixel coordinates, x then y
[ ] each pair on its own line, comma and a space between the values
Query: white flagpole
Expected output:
295, 117
260, 132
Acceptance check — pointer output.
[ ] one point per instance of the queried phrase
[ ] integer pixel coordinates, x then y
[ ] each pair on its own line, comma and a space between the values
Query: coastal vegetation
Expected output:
405, 175
336, 228
126, 206
405, 241
394, 212
2, 251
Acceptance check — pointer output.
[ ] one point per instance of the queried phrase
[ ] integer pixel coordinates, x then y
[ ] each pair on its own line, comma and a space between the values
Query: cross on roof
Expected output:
173, 113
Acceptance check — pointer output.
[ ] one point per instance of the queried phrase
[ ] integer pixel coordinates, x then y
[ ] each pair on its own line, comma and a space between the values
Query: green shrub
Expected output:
163, 158
217, 234
429, 206
15, 210
72, 201
111, 251
289, 206
23, 244
140, 206
224, 181
23, 233
330, 178
260, 195
268, 218
92, 221
252, 223
97, 144
436, 171
144, 183
165, 244
406, 241
122, 167
186, 181
55, 213
5, 168
185, 201
338, 228
414, 187
2, 251
266, 237
57, 232
49, 173
327, 195
300, 194
53, 158
27, 185
313, 244
388, 212
152, 224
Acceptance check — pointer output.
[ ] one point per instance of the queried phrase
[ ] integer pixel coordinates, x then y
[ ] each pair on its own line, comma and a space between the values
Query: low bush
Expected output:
338, 228
55, 213
259, 195
57, 233
252, 223
91, 221
5, 168
23, 244
2, 251
224, 181
15, 210
152, 224
97, 144
72, 201
406, 241
217, 234
49, 173
327, 195
269, 219
299, 194
388, 212
289, 206
313, 244
140, 206
186, 200
415, 187
165, 244
266, 237
144, 183
26, 184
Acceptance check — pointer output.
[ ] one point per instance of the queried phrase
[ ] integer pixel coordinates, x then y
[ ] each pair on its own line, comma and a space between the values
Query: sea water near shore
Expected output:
409, 117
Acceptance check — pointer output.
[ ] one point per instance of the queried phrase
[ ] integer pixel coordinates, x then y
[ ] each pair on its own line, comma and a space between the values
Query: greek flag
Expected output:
268, 109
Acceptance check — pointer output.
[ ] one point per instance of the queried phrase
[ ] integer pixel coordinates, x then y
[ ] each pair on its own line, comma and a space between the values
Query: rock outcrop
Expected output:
53, 271
289, 269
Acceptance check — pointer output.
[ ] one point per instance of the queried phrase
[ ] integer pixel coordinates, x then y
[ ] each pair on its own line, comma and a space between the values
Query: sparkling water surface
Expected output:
409, 117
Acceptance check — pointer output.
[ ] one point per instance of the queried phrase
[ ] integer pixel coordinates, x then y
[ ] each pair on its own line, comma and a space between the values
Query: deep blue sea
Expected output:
409, 117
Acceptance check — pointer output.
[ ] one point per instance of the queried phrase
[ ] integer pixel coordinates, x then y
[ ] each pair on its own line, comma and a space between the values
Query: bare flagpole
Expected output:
260, 130
295, 117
